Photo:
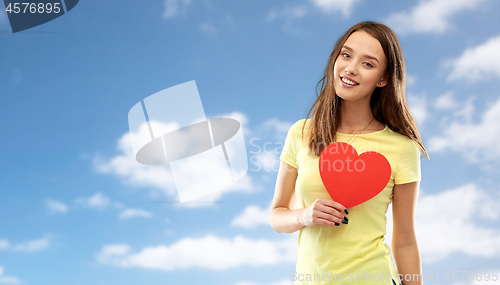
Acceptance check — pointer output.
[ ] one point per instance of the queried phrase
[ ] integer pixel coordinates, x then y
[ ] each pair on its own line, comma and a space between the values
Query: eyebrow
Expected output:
368, 56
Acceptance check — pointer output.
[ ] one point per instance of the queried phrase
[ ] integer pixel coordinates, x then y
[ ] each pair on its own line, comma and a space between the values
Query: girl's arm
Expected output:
283, 217
404, 241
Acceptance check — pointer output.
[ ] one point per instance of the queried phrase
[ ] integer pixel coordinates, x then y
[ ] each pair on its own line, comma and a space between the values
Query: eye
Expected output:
346, 55
368, 64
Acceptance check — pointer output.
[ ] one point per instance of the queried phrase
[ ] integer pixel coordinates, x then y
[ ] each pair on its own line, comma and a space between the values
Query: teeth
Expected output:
347, 81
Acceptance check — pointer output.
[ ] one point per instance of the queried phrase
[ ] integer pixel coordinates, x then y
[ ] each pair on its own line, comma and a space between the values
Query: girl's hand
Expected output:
323, 212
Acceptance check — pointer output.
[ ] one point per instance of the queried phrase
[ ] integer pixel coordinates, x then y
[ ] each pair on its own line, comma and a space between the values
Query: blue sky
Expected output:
77, 209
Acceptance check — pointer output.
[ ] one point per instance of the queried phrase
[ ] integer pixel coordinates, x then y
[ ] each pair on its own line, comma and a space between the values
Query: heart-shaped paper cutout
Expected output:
351, 179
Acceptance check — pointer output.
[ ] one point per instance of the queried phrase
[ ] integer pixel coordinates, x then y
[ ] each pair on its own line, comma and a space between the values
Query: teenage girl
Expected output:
362, 102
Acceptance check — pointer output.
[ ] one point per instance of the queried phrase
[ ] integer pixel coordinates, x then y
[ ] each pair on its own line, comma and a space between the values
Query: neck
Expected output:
354, 116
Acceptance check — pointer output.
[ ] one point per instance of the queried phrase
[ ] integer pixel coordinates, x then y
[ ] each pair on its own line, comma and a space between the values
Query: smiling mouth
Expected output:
348, 82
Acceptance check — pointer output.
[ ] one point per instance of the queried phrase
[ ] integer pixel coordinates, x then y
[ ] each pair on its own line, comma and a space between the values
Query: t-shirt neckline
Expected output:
372, 133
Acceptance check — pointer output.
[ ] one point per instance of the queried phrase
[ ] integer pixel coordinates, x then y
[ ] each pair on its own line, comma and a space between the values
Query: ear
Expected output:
382, 82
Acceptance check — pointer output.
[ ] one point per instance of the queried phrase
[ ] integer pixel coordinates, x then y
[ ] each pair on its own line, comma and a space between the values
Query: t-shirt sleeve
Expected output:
290, 147
408, 167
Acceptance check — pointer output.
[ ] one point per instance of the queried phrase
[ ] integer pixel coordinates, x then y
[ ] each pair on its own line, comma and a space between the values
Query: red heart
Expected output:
351, 179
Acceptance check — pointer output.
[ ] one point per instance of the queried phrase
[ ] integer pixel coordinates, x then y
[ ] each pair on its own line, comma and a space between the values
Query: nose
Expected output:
352, 68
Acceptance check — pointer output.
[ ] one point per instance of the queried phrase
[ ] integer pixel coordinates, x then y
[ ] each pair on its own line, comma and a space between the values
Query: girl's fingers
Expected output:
329, 217
337, 206
326, 222
332, 211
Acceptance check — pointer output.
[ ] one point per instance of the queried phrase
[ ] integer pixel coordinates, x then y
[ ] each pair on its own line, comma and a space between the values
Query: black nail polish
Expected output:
345, 210
345, 218
337, 224
345, 222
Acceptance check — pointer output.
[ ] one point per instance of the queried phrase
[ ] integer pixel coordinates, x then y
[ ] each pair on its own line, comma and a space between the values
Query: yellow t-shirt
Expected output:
340, 254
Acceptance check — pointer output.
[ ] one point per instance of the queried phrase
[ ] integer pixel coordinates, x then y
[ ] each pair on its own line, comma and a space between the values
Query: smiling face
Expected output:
365, 61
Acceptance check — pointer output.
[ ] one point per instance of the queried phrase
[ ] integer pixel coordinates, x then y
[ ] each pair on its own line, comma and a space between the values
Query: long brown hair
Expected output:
388, 103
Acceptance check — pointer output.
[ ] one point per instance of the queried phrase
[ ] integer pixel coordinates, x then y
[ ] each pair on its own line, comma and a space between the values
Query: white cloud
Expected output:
29, 246
265, 161
209, 252
418, 108
56, 206
125, 166
289, 13
329, 6
462, 110
476, 142
411, 79
446, 101
477, 63
240, 117
432, 16
114, 250
160, 177
244, 185
270, 129
96, 201
131, 213
467, 110
8, 279
277, 127
264, 153
208, 29
446, 224
175, 7
252, 217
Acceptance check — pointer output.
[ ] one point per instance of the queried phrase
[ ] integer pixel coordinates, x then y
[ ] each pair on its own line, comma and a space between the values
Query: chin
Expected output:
351, 98
343, 97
